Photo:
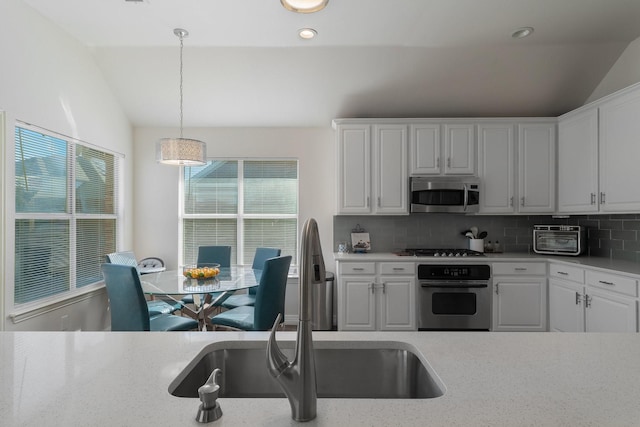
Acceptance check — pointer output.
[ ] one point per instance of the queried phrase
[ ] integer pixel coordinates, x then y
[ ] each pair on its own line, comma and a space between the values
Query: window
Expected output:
65, 216
245, 204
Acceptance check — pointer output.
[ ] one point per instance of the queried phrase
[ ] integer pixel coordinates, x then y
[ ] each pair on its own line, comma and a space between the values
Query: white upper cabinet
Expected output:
496, 167
459, 149
372, 169
442, 149
517, 177
390, 169
425, 149
536, 167
619, 153
578, 162
354, 169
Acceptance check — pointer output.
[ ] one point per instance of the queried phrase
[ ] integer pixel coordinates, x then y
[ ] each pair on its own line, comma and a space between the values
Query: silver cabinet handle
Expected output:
497, 288
438, 162
587, 300
602, 197
522, 201
593, 198
578, 298
367, 201
449, 162
379, 201
372, 287
398, 268
358, 269
384, 287
606, 283
511, 201
520, 269
563, 273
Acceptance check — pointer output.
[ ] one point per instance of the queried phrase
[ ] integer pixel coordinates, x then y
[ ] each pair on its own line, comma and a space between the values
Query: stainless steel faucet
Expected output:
298, 377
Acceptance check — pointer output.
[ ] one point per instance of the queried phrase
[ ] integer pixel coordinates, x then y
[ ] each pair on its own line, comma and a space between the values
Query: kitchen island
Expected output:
491, 379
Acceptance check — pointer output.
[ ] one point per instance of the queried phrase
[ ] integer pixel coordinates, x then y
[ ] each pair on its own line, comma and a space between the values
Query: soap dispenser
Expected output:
209, 409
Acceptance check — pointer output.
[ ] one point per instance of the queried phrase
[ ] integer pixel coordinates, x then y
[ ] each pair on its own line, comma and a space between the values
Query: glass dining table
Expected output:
171, 284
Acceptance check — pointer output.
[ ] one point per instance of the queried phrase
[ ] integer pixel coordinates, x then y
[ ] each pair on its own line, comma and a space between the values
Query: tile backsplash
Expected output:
610, 236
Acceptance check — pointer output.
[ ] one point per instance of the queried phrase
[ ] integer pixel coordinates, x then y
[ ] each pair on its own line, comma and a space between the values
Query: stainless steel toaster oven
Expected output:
559, 239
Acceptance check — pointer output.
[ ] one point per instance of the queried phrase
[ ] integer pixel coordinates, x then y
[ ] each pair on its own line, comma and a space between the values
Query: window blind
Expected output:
66, 213
267, 215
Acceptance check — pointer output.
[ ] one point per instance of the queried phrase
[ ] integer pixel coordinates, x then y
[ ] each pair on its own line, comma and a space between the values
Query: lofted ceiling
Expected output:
244, 64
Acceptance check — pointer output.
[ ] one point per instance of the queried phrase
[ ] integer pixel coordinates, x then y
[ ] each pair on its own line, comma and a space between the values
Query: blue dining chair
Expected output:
128, 306
155, 307
261, 255
209, 255
269, 300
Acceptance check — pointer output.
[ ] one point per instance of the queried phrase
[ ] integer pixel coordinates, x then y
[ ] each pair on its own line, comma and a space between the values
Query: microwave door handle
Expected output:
466, 197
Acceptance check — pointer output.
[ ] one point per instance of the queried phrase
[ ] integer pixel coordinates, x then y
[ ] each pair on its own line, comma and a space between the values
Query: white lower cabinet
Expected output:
519, 297
376, 296
582, 300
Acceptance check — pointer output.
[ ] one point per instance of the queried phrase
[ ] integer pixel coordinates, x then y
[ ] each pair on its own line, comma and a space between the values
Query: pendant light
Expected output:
181, 151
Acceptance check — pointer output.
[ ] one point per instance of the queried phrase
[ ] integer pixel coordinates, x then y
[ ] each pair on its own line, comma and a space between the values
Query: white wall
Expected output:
52, 81
625, 72
155, 202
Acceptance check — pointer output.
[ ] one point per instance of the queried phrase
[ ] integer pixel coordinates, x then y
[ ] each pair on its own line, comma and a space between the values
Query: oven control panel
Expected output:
454, 272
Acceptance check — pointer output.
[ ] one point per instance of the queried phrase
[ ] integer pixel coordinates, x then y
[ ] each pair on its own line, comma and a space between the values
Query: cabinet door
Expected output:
354, 169
496, 164
390, 169
397, 306
357, 308
519, 304
537, 166
619, 154
459, 147
566, 307
578, 163
606, 312
425, 149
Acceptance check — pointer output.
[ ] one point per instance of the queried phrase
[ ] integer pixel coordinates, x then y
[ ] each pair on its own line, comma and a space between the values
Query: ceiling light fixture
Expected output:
304, 6
181, 151
307, 33
521, 33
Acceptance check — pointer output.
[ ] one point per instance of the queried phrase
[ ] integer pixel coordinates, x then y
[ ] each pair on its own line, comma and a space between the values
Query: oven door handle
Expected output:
450, 285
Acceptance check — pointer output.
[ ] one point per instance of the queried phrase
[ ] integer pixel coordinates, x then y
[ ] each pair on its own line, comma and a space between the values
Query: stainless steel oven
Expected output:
454, 297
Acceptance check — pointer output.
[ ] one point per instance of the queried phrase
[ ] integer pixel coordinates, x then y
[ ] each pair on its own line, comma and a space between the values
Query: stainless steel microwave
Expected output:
559, 239
445, 194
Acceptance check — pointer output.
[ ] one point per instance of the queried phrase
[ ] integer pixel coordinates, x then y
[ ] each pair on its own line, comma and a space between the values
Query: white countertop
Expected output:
625, 267
491, 379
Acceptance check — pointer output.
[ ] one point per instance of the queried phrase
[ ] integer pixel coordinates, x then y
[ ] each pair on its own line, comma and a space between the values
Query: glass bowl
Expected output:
201, 271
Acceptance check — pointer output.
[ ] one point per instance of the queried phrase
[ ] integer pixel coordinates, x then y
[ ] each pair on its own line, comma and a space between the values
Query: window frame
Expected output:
240, 216
19, 310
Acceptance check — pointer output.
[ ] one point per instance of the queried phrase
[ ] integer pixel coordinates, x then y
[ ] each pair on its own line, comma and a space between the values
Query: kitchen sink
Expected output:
354, 369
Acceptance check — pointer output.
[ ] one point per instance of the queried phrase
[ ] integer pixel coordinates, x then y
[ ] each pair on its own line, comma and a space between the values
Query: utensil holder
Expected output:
476, 245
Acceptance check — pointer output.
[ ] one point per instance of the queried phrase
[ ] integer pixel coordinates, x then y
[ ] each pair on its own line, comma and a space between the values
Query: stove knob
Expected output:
464, 254
458, 254
436, 254
450, 254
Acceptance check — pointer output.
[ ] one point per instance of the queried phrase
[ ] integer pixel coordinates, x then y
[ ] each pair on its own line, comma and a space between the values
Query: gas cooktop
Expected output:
439, 252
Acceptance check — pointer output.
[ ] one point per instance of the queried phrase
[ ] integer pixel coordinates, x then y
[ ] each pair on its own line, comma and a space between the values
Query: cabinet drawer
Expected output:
358, 268
567, 272
613, 282
520, 268
398, 268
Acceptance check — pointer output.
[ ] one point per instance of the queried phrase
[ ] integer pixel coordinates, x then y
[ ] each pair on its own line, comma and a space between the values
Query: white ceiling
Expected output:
244, 64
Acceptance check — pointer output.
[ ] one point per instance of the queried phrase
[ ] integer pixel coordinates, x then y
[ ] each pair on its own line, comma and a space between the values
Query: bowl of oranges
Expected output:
201, 272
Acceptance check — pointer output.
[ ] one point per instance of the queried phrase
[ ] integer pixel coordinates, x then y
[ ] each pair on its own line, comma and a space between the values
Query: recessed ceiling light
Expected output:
304, 6
521, 33
307, 33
